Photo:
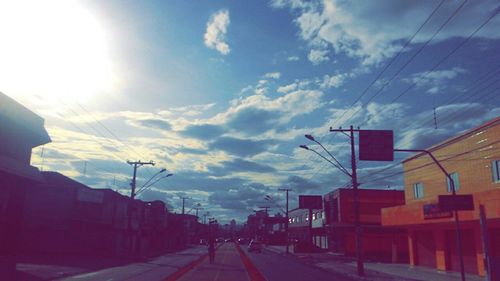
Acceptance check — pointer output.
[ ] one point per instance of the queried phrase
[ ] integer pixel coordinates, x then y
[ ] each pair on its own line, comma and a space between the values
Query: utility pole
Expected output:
183, 202
354, 179
136, 165
197, 208
287, 218
266, 208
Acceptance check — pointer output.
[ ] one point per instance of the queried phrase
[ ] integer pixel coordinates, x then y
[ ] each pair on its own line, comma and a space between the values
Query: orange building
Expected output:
473, 161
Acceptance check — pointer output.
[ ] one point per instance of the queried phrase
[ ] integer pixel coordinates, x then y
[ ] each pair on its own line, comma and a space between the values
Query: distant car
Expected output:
220, 240
242, 241
255, 246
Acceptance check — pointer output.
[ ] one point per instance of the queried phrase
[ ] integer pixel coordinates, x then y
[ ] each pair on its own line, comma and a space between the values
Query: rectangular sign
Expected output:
433, 211
310, 202
456, 202
376, 145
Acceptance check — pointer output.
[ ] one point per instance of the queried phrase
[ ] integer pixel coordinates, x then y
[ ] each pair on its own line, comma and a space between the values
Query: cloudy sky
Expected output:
221, 93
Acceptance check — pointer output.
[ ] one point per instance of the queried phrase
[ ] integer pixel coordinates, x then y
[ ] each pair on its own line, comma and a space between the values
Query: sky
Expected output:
221, 93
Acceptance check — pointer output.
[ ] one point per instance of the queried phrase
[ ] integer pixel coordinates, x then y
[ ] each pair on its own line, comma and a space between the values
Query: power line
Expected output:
455, 12
394, 58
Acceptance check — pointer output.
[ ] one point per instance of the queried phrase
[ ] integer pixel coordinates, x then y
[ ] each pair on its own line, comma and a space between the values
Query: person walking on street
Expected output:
211, 250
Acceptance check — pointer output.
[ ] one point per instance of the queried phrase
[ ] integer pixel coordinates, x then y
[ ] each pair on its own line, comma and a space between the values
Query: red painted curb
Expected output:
253, 272
181, 271
178, 274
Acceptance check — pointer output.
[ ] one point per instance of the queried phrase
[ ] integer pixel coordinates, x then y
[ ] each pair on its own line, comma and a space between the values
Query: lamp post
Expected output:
354, 180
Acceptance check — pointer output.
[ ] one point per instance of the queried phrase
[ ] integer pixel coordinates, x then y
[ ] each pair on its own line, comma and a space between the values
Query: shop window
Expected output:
418, 190
495, 170
456, 182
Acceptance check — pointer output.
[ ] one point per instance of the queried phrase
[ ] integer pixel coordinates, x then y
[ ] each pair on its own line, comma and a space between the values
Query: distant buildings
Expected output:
47, 212
473, 161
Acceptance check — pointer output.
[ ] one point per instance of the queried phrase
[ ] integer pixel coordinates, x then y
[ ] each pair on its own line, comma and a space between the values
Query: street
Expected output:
277, 267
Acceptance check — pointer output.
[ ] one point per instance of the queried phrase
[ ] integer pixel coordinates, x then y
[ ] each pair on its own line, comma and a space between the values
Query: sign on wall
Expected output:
433, 211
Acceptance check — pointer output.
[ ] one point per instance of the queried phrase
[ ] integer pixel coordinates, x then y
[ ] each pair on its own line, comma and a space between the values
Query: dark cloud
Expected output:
240, 147
302, 185
245, 198
239, 165
155, 124
203, 132
252, 121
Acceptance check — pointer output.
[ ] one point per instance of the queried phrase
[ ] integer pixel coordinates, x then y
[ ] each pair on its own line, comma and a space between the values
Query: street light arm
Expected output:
161, 171
335, 159
151, 184
330, 161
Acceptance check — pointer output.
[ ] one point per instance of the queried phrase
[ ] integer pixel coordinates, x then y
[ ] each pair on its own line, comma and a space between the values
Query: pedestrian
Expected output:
211, 250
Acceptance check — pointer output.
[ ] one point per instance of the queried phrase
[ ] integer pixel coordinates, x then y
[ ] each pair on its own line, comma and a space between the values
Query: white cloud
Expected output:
273, 75
434, 80
288, 88
318, 56
333, 81
215, 35
293, 58
373, 30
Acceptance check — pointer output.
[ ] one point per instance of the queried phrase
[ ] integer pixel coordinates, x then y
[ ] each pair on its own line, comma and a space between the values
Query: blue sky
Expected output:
221, 93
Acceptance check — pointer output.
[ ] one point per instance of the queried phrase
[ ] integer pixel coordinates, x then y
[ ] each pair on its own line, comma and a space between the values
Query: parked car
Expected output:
255, 246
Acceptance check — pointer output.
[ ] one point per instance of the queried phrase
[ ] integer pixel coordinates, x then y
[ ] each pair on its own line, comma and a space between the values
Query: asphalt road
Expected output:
278, 267
226, 267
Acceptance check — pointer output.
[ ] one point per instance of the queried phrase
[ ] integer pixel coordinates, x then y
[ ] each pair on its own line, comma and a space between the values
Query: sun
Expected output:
54, 49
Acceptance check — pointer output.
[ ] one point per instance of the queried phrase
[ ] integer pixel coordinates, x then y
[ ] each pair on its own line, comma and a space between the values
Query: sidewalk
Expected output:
73, 267
374, 271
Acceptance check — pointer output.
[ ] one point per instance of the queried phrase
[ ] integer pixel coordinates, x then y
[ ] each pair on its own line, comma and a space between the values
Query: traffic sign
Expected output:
376, 145
461, 202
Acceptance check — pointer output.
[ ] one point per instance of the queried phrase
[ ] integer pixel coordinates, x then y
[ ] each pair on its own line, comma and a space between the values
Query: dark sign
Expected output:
433, 211
456, 202
310, 202
376, 145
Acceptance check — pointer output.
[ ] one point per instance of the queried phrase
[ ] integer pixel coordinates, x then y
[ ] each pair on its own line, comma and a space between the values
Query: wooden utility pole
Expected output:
354, 180
287, 218
136, 165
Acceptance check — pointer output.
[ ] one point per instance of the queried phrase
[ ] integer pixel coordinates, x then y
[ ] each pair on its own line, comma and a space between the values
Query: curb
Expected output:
253, 272
181, 271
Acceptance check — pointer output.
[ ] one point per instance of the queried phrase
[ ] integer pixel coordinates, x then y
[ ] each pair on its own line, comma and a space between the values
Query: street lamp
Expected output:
355, 184
144, 186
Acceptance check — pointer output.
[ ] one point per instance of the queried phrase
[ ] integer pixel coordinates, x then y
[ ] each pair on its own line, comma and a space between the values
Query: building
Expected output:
473, 161
299, 230
20, 131
378, 242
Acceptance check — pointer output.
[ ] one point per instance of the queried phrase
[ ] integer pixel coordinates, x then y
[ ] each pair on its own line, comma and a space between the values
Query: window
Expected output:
418, 190
495, 170
456, 182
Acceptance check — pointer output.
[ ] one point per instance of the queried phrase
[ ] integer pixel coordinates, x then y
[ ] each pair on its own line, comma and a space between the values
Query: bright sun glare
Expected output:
52, 49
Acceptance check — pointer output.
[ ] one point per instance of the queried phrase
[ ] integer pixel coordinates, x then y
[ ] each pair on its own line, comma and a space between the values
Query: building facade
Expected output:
473, 161
378, 242
20, 131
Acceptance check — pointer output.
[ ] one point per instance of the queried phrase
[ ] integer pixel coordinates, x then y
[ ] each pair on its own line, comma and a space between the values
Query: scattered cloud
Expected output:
215, 35
370, 31
240, 147
293, 58
318, 56
273, 75
435, 81
333, 81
